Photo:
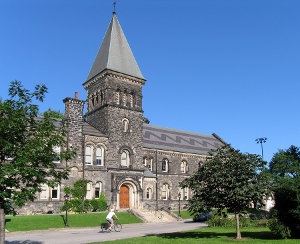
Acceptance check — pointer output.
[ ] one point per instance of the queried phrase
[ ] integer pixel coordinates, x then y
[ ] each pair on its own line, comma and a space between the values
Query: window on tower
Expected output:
125, 160
125, 124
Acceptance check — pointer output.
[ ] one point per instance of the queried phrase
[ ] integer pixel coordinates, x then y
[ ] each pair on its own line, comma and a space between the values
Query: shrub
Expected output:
75, 205
220, 221
278, 228
98, 204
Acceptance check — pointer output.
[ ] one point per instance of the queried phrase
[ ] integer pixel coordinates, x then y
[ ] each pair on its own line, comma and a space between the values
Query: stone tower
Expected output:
114, 99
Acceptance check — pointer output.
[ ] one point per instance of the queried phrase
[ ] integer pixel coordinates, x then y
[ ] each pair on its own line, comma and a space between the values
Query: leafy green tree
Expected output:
228, 179
285, 167
26, 149
53, 113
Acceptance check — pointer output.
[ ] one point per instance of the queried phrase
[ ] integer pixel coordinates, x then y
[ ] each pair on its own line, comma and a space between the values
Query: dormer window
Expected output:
125, 124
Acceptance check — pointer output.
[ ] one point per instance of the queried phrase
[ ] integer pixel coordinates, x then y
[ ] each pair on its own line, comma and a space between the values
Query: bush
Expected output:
75, 205
278, 228
220, 221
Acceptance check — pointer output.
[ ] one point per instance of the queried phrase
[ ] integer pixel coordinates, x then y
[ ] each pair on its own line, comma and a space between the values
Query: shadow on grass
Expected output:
23, 242
63, 218
262, 235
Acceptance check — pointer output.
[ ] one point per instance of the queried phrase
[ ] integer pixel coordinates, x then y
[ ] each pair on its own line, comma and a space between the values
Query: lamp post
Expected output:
261, 141
179, 195
66, 200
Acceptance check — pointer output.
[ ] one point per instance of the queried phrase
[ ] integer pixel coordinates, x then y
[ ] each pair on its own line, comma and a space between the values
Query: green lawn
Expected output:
210, 235
42, 222
184, 214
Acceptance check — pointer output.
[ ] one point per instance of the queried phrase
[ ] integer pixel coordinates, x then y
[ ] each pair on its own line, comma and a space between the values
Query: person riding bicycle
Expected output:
110, 216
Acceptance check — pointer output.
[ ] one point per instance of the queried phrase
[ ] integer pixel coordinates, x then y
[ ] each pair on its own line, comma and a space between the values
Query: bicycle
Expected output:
116, 226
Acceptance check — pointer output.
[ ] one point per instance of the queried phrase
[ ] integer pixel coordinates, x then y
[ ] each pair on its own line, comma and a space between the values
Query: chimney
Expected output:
76, 95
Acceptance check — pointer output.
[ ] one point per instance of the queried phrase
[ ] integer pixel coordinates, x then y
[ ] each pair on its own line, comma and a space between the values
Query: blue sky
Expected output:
228, 67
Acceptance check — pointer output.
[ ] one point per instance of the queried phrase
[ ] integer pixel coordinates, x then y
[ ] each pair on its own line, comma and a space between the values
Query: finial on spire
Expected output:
114, 3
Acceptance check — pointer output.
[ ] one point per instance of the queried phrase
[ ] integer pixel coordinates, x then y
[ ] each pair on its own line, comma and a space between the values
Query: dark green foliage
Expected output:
285, 167
53, 114
26, 147
221, 221
99, 204
229, 179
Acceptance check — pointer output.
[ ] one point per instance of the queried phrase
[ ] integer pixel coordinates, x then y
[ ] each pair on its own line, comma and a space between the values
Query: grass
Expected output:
43, 222
184, 214
211, 236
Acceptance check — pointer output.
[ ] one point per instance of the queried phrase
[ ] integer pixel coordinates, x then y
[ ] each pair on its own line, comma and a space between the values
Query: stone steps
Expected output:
152, 216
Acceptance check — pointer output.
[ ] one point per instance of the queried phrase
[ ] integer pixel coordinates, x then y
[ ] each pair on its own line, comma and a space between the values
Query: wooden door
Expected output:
124, 197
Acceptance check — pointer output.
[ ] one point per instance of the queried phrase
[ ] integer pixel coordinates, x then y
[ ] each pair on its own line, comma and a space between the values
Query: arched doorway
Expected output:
124, 196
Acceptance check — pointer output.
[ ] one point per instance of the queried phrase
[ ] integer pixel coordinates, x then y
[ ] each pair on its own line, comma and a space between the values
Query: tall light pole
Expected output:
261, 140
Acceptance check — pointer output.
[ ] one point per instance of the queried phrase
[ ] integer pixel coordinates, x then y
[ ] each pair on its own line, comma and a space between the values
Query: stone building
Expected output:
135, 164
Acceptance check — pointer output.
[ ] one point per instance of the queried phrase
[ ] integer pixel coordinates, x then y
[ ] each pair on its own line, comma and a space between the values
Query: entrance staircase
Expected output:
152, 216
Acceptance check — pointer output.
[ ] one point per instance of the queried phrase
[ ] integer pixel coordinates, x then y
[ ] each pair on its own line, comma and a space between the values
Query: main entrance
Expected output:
124, 196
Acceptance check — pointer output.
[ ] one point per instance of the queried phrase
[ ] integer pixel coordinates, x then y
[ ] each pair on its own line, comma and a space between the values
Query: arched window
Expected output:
183, 167
99, 156
56, 150
89, 191
165, 192
89, 155
125, 158
164, 165
149, 193
125, 124
98, 190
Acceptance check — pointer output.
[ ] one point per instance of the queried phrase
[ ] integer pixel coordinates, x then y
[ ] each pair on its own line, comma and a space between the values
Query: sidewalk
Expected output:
94, 234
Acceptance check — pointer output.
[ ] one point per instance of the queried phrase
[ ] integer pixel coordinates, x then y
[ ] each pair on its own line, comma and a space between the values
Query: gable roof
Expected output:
115, 53
156, 137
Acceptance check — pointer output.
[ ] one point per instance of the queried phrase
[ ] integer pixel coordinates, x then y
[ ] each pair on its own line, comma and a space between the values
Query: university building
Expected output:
135, 164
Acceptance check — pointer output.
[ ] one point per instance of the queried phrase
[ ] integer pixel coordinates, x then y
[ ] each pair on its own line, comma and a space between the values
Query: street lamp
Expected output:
261, 141
66, 200
179, 195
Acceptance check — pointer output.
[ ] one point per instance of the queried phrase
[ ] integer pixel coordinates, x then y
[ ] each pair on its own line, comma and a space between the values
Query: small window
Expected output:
101, 98
56, 150
99, 156
131, 100
89, 191
149, 193
183, 167
55, 192
124, 99
164, 165
89, 155
98, 190
125, 158
125, 123
165, 192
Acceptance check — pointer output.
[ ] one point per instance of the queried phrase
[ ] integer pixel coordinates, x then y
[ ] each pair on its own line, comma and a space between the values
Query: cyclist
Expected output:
110, 216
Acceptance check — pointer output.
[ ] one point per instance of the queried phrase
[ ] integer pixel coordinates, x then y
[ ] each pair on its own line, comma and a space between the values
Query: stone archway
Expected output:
128, 196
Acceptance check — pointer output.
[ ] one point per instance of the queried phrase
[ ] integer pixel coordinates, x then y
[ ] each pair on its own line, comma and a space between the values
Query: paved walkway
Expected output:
94, 234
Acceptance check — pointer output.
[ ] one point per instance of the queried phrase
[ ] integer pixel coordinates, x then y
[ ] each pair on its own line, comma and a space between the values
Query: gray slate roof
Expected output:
115, 53
92, 131
156, 137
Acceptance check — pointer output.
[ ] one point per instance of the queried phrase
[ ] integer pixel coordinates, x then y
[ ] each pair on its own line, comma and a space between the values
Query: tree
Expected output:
53, 113
26, 149
228, 179
285, 167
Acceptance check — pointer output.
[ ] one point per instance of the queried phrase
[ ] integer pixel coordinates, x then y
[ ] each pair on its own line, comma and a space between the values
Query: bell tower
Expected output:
114, 98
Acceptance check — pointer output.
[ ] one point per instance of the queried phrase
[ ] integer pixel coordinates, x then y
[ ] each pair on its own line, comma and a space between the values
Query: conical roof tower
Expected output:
115, 53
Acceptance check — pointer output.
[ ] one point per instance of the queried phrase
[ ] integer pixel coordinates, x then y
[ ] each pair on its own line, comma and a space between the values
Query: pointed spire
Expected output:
115, 53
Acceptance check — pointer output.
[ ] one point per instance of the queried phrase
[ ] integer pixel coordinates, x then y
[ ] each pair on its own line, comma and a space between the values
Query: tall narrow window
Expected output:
56, 150
165, 192
101, 98
125, 123
45, 192
149, 193
99, 156
124, 99
89, 155
164, 165
183, 167
125, 158
131, 100
98, 190
89, 191
118, 97
150, 164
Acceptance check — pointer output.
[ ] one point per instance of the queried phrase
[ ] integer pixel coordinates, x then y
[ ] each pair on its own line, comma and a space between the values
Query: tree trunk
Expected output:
2, 226
237, 225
